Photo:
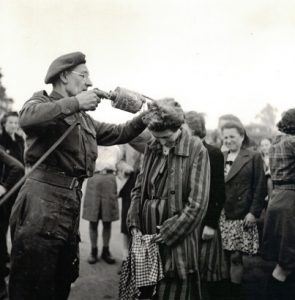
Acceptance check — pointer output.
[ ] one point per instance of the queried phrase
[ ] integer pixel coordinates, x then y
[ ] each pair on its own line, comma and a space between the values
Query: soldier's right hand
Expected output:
88, 100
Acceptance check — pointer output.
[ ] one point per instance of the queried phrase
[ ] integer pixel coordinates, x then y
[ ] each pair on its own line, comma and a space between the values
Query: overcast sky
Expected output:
216, 56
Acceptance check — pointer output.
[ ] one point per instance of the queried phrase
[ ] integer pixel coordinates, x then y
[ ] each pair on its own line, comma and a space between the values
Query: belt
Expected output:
106, 171
284, 185
56, 178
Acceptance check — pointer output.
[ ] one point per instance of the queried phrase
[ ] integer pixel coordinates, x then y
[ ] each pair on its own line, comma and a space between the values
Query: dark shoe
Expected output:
106, 256
275, 289
92, 259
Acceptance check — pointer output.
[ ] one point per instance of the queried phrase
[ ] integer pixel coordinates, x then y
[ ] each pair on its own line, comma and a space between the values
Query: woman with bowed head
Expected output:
170, 199
279, 229
245, 190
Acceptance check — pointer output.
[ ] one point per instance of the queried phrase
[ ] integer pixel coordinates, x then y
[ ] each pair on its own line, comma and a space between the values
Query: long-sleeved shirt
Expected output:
45, 118
108, 158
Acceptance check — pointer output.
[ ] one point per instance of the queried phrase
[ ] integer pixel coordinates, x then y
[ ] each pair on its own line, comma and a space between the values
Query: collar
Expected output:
55, 95
181, 144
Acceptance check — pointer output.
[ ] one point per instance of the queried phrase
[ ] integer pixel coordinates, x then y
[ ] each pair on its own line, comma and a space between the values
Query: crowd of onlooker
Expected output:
250, 210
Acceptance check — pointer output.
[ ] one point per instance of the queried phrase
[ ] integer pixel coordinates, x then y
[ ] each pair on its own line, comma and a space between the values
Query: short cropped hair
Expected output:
164, 114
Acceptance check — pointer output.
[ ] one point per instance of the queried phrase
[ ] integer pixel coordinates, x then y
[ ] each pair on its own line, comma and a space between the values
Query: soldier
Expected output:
45, 217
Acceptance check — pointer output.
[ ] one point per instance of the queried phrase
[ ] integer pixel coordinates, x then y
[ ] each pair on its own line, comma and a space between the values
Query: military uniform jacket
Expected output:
44, 118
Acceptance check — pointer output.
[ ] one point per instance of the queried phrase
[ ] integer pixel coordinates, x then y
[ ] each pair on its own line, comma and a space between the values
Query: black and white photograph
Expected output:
147, 150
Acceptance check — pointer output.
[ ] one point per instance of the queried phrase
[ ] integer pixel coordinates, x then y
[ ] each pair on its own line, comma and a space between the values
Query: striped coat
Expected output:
188, 193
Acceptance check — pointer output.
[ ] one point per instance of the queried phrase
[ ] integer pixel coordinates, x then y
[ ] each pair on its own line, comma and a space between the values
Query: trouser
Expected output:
45, 271
44, 228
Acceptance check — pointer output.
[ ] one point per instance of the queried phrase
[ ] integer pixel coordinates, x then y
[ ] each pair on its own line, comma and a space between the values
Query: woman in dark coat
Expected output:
14, 171
245, 190
213, 267
14, 145
279, 229
10, 140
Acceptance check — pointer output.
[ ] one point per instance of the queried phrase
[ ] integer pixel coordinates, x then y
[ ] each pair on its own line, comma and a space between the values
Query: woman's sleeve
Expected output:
259, 186
15, 169
133, 216
179, 226
217, 189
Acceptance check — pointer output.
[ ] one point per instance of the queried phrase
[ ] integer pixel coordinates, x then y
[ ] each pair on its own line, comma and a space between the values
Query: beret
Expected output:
63, 63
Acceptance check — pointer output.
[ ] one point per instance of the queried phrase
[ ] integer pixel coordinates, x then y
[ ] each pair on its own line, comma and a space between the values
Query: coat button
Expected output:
172, 192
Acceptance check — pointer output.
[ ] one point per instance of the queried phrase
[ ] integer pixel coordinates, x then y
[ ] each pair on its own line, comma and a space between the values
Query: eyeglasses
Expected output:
85, 76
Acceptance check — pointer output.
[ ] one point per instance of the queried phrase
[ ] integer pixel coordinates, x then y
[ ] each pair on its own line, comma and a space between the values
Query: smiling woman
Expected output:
245, 190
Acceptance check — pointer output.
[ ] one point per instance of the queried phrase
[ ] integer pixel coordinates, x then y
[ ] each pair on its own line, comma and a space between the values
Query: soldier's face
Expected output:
78, 80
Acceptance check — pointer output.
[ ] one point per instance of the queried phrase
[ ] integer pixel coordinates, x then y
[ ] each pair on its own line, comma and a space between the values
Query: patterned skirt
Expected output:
235, 237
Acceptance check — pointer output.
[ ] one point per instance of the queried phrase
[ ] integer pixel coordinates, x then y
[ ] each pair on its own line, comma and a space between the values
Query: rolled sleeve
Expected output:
41, 111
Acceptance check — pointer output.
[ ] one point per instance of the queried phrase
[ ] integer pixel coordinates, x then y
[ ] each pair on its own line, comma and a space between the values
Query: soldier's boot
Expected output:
93, 258
106, 256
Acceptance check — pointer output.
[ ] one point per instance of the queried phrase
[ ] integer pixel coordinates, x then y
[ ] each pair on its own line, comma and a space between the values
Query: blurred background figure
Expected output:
279, 228
101, 201
10, 140
14, 145
264, 147
213, 266
245, 190
14, 170
128, 169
